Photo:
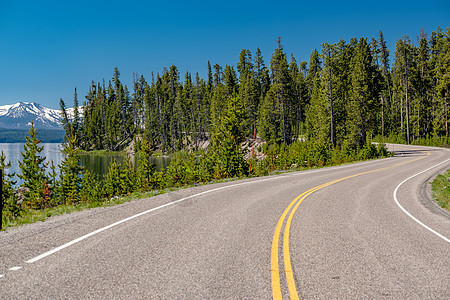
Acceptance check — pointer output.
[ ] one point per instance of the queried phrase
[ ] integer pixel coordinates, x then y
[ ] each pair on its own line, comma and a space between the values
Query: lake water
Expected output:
95, 163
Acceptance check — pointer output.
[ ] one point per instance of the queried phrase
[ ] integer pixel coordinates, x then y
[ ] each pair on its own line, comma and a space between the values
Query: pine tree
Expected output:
261, 74
218, 106
218, 74
269, 122
248, 90
146, 167
111, 181
8, 201
203, 103
317, 115
281, 93
328, 71
422, 87
230, 81
137, 101
76, 117
386, 81
225, 144
210, 78
315, 66
71, 172
173, 95
404, 65
342, 86
91, 190
362, 106
127, 177
66, 124
443, 82
299, 95
32, 166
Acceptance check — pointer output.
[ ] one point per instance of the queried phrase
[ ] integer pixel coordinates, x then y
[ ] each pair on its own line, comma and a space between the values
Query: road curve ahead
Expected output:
365, 230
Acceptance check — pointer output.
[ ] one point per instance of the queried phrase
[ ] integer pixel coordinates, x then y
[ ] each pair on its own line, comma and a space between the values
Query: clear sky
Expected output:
47, 48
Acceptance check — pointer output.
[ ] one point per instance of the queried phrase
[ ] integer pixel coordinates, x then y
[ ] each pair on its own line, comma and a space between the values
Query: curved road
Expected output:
332, 233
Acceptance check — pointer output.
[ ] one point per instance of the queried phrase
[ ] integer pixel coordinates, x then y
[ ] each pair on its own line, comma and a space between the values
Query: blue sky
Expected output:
47, 48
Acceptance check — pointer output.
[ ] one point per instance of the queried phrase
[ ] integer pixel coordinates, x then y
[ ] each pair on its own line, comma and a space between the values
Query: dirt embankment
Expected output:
249, 146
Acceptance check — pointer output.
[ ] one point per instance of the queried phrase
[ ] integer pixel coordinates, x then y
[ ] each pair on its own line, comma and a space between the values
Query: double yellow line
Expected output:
274, 268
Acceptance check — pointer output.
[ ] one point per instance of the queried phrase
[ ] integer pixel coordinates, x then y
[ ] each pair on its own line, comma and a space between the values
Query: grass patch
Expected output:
441, 190
34, 215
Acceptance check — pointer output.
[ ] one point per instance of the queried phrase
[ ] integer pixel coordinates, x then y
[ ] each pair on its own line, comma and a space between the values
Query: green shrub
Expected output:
111, 181
91, 189
181, 170
368, 151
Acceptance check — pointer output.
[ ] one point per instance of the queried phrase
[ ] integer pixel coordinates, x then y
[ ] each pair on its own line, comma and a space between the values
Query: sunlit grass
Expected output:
441, 190
29, 216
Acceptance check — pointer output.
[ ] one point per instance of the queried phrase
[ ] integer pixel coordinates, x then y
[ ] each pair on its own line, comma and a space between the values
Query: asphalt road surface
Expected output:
356, 231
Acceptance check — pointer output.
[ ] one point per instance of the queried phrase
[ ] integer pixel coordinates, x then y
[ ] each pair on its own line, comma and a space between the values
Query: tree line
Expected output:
317, 114
347, 92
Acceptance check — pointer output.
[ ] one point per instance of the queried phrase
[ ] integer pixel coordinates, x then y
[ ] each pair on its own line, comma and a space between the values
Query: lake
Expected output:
95, 163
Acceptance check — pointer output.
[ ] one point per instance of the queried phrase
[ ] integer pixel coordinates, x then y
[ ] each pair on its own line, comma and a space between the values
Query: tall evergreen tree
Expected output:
225, 144
299, 95
281, 92
210, 78
8, 201
230, 81
362, 105
342, 86
422, 87
71, 172
328, 56
33, 166
386, 81
262, 75
443, 82
317, 115
76, 116
248, 90
404, 61
315, 66
66, 124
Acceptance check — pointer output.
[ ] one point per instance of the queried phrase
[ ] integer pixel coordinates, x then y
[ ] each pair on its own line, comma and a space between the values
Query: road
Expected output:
347, 236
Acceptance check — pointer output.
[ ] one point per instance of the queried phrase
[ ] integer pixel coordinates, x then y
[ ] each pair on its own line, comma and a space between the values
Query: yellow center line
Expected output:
276, 289
275, 274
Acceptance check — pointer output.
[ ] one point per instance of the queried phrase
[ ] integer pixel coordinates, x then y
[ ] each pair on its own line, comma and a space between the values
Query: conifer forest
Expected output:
320, 112
348, 91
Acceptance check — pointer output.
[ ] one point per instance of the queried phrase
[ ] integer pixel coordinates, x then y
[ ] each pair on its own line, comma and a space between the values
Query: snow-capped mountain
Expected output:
21, 114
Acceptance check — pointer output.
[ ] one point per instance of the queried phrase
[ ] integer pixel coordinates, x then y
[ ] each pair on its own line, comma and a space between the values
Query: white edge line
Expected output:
15, 268
45, 254
411, 216
39, 257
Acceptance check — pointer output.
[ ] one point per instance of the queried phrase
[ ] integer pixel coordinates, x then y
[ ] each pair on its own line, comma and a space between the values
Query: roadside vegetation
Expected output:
308, 115
77, 189
441, 190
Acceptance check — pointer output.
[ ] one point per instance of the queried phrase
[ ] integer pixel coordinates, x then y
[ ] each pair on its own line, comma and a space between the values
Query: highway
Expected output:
358, 231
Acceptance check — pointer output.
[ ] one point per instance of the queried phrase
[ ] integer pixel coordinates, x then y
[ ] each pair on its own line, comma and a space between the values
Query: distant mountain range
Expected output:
15, 120
20, 115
